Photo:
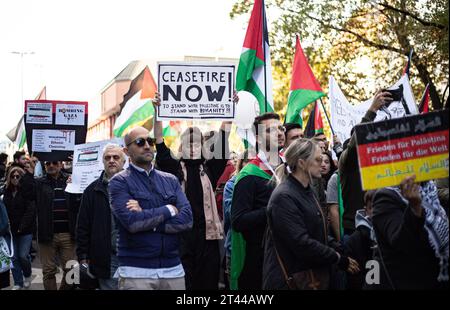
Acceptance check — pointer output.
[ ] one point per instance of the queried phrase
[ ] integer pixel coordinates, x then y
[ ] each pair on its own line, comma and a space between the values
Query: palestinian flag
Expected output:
315, 124
254, 72
408, 64
17, 134
137, 107
238, 245
171, 128
425, 101
305, 88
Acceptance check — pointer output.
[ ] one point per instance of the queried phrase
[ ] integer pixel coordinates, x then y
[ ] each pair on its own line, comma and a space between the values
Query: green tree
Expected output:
363, 43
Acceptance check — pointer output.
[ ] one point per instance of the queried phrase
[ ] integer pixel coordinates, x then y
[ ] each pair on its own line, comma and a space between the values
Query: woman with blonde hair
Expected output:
297, 254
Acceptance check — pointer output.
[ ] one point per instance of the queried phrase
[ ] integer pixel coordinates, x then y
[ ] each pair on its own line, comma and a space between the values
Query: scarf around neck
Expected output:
436, 225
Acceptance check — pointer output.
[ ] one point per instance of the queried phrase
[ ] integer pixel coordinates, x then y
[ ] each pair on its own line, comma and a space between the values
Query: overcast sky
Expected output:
79, 46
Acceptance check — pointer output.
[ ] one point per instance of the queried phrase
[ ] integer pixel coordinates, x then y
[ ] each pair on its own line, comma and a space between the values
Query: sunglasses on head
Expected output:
54, 163
141, 141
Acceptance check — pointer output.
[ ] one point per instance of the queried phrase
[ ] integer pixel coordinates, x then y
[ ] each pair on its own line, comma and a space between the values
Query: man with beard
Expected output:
151, 210
251, 195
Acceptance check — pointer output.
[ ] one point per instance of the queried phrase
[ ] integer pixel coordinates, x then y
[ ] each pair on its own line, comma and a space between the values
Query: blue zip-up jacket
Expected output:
149, 239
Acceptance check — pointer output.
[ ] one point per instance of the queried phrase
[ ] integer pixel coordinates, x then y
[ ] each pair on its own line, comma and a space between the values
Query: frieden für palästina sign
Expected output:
390, 150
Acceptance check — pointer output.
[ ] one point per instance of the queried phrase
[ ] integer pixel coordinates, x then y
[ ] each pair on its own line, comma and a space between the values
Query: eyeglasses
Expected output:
108, 157
16, 176
141, 141
54, 163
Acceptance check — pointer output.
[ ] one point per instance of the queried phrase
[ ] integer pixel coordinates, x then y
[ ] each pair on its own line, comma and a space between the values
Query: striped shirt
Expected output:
60, 210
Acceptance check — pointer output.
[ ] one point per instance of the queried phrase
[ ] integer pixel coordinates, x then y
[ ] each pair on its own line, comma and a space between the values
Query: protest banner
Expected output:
54, 127
196, 91
390, 150
88, 164
344, 116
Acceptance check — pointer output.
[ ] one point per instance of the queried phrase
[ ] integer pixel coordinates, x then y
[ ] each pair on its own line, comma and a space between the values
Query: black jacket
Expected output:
214, 167
94, 235
200, 257
27, 183
44, 206
21, 213
352, 193
403, 241
248, 216
299, 231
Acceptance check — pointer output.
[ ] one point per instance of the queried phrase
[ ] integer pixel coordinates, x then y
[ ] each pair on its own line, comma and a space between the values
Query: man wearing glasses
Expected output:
151, 210
56, 218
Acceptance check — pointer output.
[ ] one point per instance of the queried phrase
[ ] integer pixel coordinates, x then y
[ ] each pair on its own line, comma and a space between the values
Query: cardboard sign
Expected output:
196, 91
88, 164
389, 151
54, 127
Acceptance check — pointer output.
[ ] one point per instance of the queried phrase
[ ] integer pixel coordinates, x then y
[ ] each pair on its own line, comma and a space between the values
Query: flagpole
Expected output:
445, 92
328, 119
264, 52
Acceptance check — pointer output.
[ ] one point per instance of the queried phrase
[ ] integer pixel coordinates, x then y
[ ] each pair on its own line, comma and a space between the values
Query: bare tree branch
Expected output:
420, 20
360, 37
327, 24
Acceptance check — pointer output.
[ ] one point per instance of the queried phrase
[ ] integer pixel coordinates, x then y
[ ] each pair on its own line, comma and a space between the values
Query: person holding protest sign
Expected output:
411, 229
96, 228
200, 166
352, 193
151, 211
296, 242
251, 194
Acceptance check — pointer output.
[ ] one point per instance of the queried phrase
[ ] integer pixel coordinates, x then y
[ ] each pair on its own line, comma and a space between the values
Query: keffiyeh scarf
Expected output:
436, 225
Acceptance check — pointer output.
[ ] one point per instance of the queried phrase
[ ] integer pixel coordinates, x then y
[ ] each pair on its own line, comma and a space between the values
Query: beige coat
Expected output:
214, 228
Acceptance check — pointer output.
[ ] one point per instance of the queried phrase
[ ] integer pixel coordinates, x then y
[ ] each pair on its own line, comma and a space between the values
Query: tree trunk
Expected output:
425, 78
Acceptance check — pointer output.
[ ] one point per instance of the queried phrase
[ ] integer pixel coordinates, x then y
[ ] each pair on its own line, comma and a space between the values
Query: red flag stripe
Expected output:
254, 36
303, 77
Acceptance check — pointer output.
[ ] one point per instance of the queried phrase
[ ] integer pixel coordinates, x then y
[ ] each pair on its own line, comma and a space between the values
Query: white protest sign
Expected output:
345, 116
69, 114
39, 113
47, 140
88, 164
196, 90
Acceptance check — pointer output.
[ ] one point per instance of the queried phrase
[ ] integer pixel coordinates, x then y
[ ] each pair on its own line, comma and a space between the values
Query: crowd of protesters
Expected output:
285, 214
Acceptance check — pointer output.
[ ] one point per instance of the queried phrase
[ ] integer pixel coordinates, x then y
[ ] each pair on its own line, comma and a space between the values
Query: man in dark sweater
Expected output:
151, 211
251, 196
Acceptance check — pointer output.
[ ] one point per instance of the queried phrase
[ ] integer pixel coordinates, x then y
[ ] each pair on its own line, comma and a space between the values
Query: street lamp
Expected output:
21, 67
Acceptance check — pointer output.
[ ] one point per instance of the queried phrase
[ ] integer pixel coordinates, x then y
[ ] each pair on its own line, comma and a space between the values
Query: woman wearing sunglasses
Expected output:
21, 214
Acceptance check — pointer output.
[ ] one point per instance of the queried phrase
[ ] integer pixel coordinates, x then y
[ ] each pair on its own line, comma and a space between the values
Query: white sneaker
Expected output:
27, 282
16, 288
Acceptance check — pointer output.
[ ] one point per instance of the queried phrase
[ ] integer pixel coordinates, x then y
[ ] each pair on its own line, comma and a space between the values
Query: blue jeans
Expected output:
21, 259
111, 283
